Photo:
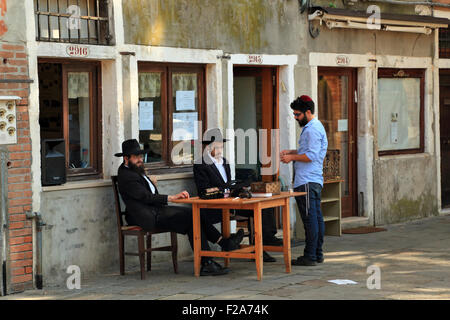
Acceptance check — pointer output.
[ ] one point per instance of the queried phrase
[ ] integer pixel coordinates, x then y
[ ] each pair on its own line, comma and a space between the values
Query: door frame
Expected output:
442, 71
269, 97
353, 124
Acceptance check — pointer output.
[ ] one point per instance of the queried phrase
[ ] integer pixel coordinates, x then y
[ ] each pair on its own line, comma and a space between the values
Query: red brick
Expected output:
19, 186
20, 232
13, 195
10, 86
17, 217
22, 263
23, 140
28, 270
14, 148
22, 124
6, 54
21, 55
26, 147
23, 133
16, 225
13, 47
18, 271
16, 62
8, 69
18, 240
23, 102
21, 248
24, 278
21, 178
20, 170
18, 202
13, 210
17, 256
27, 208
23, 116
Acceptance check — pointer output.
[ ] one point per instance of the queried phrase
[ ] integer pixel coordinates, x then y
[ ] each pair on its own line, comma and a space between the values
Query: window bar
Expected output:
68, 22
48, 21
38, 20
79, 22
87, 21
59, 21
98, 22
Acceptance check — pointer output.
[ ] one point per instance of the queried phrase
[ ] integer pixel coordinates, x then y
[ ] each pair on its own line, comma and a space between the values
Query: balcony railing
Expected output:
73, 21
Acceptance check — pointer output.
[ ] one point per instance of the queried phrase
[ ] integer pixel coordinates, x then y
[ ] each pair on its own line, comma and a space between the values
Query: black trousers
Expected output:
179, 219
269, 225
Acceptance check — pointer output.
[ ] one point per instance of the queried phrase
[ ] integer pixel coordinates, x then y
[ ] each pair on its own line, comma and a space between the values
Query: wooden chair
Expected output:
141, 234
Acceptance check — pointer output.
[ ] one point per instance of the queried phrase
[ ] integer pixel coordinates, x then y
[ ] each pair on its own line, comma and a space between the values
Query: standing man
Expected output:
308, 168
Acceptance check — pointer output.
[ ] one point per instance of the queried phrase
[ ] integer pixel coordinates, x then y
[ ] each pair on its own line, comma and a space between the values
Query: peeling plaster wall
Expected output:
402, 196
82, 230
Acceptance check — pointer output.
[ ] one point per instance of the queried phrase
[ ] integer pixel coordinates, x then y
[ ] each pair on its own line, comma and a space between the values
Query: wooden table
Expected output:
245, 251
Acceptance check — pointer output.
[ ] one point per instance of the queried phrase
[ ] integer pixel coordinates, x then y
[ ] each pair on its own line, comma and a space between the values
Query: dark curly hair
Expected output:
303, 104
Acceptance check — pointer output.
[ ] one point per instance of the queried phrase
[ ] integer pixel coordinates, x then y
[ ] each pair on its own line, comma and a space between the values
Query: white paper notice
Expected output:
394, 132
185, 100
342, 281
185, 126
343, 125
145, 115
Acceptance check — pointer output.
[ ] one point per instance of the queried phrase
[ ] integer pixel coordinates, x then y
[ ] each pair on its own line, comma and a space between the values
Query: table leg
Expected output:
197, 238
258, 240
287, 236
226, 229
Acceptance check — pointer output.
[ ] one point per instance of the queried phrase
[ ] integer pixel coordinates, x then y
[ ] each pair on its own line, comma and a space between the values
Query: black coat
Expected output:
208, 176
141, 203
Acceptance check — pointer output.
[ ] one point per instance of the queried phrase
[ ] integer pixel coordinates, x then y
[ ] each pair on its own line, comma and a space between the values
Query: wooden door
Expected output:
255, 106
337, 112
444, 93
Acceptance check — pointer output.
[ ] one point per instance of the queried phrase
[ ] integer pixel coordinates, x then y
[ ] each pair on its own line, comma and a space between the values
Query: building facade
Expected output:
98, 72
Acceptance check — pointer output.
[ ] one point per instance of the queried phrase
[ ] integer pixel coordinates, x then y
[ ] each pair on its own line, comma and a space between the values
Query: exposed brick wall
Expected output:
14, 65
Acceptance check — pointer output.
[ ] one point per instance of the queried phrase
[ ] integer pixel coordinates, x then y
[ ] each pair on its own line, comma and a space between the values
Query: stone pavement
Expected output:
414, 259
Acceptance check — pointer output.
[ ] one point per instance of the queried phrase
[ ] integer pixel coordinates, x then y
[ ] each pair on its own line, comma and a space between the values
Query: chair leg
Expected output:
121, 254
174, 243
141, 254
251, 231
149, 253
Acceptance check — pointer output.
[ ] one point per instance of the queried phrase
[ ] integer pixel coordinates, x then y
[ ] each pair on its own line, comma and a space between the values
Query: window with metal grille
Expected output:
73, 21
444, 43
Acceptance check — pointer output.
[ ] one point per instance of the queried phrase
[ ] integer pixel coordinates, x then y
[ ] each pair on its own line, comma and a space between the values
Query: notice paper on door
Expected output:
185, 100
145, 115
343, 125
185, 126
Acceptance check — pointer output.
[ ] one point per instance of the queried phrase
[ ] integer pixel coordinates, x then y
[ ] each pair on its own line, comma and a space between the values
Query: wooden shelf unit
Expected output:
331, 207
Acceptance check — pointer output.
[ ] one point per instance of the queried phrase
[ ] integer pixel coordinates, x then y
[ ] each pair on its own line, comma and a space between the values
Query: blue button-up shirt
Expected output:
313, 143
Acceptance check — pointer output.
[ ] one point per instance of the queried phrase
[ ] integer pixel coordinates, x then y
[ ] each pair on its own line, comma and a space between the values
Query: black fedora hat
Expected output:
213, 135
130, 147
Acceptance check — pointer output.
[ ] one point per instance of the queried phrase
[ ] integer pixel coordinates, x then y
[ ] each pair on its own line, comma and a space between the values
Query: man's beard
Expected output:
303, 122
138, 169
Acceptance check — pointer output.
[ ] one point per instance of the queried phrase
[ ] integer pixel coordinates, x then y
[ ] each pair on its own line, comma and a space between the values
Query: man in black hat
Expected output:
214, 171
146, 208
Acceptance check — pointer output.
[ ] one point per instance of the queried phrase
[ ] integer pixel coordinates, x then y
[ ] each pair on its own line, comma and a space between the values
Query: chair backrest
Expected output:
119, 212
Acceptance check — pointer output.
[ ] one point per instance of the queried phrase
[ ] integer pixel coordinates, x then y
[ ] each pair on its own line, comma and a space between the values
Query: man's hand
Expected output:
286, 158
182, 195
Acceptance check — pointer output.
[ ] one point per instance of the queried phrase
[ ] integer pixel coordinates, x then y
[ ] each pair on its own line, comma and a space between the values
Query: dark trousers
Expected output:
179, 219
311, 214
269, 226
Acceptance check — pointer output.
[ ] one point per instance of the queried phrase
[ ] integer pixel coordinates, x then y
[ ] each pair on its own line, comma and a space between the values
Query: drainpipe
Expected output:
39, 226
3, 221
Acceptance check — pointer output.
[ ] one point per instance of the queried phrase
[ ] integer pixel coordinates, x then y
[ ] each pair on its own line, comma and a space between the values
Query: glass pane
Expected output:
184, 117
150, 117
333, 113
398, 113
79, 119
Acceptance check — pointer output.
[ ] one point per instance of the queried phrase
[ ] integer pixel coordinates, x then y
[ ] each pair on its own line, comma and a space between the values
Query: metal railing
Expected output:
73, 21
444, 43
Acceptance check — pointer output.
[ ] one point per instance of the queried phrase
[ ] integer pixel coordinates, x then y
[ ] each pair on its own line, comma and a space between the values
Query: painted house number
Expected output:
257, 59
77, 51
342, 60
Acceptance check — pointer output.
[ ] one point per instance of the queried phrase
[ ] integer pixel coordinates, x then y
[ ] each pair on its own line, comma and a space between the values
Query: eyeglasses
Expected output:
297, 114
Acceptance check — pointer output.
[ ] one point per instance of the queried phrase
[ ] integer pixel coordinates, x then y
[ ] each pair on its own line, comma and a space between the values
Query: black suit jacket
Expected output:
208, 176
141, 203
